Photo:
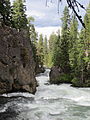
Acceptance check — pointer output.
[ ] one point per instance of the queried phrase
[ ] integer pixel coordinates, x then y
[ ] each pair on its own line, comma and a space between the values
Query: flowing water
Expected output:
51, 102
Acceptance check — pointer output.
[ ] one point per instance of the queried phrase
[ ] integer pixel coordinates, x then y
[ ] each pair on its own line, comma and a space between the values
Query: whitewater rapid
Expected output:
51, 102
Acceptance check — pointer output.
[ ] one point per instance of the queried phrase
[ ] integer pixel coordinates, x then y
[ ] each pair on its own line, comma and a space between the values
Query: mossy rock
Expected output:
63, 78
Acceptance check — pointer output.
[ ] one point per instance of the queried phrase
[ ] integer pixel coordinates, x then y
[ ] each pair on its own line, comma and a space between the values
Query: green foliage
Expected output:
76, 82
64, 61
30, 19
45, 50
63, 78
18, 15
73, 52
5, 12
40, 51
50, 57
57, 52
51, 50
31, 29
34, 44
83, 54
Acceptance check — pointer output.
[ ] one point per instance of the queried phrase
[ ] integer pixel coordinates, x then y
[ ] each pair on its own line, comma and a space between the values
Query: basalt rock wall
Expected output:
17, 67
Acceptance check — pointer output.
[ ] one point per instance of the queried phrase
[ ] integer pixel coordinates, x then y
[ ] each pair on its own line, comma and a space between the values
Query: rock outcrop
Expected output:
57, 76
17, 68
39, 70
54, 74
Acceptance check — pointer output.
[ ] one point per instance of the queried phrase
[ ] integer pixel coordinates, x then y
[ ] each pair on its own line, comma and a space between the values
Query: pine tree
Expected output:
52, 41
31, 29
5, 12
83, 60
87, 44
64, 60
73, 43
57, 51
18, 15
40, 51
87, 30
45, 49
33, 40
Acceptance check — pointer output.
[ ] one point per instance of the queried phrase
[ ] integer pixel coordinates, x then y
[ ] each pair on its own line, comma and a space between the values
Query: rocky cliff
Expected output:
16, 62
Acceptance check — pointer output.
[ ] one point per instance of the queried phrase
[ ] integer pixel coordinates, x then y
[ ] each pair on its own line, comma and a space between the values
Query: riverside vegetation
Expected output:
70, 53
67, 54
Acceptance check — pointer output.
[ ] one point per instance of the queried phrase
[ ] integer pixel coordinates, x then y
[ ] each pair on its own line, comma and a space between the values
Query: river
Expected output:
51, 102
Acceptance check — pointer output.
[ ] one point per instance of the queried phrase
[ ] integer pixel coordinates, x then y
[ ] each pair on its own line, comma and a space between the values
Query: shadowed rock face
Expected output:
57, 76
54, 73
17, 68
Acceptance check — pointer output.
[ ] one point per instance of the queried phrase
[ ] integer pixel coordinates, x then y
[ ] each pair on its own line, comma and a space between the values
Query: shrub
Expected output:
76, 82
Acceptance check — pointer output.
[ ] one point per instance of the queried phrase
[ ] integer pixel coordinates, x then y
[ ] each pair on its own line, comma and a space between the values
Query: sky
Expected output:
47, 19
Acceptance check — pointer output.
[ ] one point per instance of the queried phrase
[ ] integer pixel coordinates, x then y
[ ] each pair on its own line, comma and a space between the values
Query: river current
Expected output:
51, 102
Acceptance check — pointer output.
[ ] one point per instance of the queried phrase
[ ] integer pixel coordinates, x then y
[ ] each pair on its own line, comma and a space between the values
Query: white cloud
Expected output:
36, 14
47, 30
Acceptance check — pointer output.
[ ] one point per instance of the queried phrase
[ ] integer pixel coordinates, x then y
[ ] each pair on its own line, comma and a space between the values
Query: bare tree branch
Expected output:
74, 5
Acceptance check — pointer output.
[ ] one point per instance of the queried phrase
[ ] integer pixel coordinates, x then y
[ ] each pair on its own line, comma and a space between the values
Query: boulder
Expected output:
54, 73
17, 67
39, 70
57, 76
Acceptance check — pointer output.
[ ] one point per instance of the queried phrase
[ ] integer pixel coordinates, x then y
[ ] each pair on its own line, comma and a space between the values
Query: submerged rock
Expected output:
17, 67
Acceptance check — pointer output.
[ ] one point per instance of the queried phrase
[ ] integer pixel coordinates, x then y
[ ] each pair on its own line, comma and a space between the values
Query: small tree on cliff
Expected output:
5, 12
18, 15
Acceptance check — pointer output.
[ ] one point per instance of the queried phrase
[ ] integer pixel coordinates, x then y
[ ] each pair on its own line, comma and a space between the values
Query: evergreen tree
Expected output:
31, 29
5, 12
86, 69
40, 51
57, 51
52, 41
18, 15
73, 53
64, 60
33, 40
45, 51
87, 30
83, 61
